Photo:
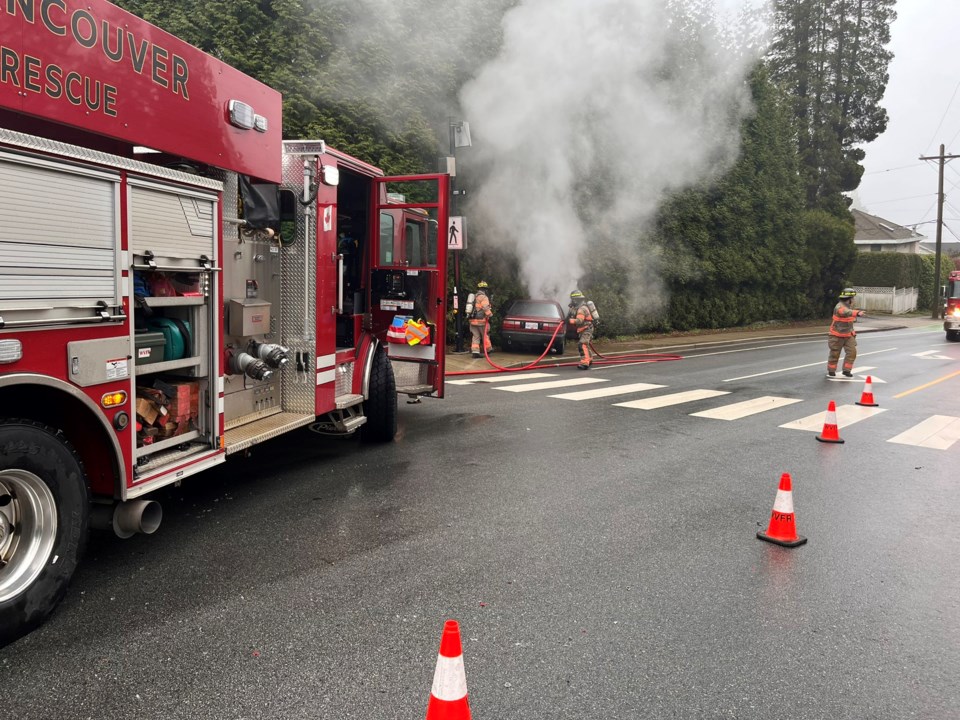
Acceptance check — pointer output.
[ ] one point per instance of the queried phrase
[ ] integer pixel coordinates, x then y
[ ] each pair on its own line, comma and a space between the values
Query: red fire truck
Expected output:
951, 306
178, 284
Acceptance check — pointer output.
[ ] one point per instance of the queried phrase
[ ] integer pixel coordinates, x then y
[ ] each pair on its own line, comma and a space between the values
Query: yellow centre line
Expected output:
929, 384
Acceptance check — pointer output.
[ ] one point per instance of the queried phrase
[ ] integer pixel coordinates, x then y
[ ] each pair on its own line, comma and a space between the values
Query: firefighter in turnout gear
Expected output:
842, 335
581, 316
479, 320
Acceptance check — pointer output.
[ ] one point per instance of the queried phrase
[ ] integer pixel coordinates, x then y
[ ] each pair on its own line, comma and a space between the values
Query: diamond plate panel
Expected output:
298, 293
344, 379
408, 374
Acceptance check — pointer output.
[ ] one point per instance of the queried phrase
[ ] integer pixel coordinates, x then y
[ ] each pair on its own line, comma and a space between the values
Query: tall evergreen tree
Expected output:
831, 57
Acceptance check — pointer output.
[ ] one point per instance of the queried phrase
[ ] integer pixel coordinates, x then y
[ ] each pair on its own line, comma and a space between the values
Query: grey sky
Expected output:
923, 100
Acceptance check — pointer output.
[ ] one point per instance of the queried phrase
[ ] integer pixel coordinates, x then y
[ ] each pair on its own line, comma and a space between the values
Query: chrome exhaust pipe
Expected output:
126, 519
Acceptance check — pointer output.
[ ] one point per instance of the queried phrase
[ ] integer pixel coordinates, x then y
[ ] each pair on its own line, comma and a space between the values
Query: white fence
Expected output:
886, 299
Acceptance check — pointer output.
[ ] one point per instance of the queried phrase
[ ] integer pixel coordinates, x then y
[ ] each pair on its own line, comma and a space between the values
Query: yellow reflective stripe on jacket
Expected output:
584, 320
481, 306
417, 332
843, 319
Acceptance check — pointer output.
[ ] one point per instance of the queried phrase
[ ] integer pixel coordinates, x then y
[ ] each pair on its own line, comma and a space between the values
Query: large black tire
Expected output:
953, 335
44, 510
380, 407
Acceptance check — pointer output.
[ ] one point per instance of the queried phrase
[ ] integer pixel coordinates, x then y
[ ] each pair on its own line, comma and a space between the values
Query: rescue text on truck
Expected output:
174, 293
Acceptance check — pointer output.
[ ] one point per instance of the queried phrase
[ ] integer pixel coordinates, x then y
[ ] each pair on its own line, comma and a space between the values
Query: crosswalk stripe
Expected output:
846, 415
499, 378
673, 399
938, 432
607, 391
551, 384
747, 407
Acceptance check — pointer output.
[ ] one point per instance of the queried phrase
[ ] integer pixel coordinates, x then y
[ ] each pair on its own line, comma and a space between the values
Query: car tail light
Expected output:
511, 324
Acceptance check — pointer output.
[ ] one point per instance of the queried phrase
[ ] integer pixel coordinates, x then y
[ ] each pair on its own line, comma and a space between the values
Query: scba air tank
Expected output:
468, 308
593, 311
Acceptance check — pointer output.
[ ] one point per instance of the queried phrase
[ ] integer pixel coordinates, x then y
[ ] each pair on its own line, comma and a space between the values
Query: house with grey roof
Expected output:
874, 234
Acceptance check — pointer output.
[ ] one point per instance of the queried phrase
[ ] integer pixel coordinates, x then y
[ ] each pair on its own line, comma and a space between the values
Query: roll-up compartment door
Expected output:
171, 223
58, 236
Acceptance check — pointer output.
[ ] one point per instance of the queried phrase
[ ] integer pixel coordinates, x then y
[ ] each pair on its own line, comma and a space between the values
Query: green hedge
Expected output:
901, 270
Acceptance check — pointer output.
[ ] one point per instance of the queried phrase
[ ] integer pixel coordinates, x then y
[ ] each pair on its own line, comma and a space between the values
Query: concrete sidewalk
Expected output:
679, 342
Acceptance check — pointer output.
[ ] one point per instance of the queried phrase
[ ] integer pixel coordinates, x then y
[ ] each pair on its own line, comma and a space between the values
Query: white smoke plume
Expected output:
593, 111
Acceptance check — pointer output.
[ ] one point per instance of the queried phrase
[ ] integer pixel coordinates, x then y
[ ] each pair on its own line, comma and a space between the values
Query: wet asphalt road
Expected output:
602, 562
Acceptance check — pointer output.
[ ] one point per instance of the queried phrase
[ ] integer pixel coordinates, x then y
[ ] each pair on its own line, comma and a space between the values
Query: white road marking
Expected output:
673, 399
799, 367
932, 355
747, 407
500, 378
938, 432
607, 391
550, 385
846, 415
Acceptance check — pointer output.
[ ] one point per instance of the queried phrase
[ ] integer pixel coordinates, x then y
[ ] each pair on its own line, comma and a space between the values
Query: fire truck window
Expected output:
386, 239
413, 240
420, 240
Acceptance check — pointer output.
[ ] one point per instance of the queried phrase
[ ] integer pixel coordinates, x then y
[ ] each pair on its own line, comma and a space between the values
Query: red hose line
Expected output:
626, 359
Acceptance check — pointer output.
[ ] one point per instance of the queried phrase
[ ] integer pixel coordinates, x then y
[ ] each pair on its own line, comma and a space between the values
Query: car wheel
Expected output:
558, 346
44, 512
953, 335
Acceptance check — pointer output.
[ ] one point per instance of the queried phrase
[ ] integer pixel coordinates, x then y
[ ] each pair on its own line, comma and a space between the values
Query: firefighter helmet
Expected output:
482, 285
576, 295
848, 294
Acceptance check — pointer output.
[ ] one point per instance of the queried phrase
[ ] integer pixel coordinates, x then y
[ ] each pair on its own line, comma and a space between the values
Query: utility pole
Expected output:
936, 272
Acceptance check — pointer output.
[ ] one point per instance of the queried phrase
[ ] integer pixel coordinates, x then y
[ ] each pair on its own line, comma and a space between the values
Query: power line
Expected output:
902, 167
951, 231
945, 111
912, 197
953, 139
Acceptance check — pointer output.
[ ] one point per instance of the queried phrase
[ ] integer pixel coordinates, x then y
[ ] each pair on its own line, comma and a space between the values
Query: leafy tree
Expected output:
735, 253
831, 57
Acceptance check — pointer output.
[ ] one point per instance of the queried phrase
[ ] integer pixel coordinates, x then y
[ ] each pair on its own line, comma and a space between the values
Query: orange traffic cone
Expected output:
782, 529
866, 398
830, 433
448, 697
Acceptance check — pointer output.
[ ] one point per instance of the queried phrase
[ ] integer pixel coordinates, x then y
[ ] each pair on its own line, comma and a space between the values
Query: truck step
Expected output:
345, 401
415, 389
244, 436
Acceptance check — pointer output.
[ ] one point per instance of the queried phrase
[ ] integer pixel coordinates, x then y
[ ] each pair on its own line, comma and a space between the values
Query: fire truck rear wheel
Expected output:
381, 405
44, 511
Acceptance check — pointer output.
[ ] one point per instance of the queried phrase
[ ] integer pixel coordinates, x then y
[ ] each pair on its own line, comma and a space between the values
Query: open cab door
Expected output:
408, 272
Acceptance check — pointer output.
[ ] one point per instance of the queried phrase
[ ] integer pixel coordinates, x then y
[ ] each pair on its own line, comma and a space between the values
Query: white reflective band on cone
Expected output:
450, 679
784, 502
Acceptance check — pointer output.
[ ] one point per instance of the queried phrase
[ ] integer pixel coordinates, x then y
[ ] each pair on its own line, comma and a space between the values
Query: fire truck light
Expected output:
330, 175
10, 351
956, 313
241, 115
114, 399
259, 123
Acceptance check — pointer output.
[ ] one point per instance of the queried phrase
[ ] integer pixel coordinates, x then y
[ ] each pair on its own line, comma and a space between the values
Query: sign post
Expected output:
459, 137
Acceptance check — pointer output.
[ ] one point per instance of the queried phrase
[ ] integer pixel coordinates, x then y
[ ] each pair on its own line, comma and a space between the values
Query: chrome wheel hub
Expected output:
28, 530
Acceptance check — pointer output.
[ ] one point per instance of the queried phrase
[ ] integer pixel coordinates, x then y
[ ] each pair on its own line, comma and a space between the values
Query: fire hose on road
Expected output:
625, 359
